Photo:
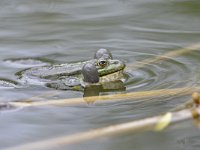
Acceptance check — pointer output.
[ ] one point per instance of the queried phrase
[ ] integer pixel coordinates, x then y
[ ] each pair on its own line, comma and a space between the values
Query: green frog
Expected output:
76, 76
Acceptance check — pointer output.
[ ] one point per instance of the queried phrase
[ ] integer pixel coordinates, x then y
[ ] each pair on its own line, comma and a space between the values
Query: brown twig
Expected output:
120, 97
131, 127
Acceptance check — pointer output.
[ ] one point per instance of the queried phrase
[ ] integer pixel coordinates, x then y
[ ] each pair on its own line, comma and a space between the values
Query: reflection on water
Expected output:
105, 87
69, 31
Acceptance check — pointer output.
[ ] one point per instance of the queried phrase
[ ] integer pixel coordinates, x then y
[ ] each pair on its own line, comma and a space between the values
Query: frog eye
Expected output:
102, 63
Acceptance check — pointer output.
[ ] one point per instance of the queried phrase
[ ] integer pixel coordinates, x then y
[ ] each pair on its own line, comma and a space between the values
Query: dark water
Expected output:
66, 31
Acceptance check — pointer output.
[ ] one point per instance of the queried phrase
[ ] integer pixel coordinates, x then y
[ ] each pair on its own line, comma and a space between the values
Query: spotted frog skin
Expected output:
75, 76
71, 73
102, 69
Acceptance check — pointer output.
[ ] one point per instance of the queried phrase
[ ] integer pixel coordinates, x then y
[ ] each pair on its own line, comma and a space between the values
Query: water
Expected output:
67, 31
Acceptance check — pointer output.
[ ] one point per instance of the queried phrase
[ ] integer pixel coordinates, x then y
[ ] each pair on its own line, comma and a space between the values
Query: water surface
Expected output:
68, 31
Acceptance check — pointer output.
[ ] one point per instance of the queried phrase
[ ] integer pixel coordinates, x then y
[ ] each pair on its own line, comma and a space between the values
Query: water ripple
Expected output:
168, 73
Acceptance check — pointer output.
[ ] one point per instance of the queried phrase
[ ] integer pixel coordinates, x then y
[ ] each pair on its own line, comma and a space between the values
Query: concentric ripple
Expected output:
168, 73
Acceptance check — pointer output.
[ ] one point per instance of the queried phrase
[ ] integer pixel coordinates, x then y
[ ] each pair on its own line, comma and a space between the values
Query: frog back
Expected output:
51, 73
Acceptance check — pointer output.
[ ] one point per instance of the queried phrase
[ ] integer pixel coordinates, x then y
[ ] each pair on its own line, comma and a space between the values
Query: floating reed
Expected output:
165, 56
120, 97
157, 123
188, 104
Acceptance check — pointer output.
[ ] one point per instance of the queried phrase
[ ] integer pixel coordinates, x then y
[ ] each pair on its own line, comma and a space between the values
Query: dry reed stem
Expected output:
133, 126
121, 97
166, 56
187, 104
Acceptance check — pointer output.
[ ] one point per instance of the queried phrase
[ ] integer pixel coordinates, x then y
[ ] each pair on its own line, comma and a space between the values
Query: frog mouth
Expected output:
119, 75
112, 68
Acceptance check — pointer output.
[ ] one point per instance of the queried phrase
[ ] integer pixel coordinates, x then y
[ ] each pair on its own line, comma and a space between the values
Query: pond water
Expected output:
69, 31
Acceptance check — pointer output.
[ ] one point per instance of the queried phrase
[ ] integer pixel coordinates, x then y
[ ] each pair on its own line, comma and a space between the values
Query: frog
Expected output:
78, 75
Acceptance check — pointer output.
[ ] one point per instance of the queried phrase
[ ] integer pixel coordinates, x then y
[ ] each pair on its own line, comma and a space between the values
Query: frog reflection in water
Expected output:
100, 71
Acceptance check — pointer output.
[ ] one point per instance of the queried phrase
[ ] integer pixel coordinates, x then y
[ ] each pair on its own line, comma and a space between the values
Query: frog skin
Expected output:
75, 76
